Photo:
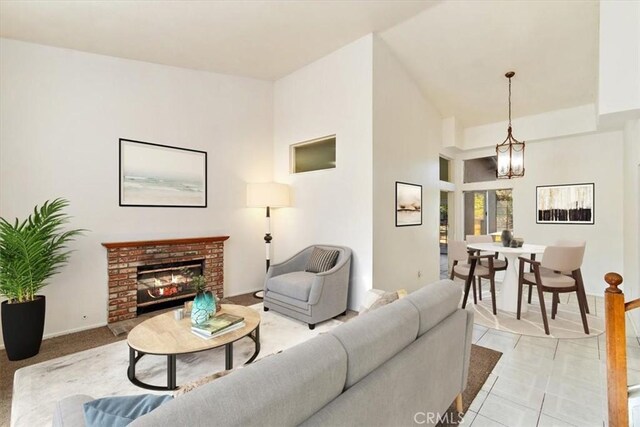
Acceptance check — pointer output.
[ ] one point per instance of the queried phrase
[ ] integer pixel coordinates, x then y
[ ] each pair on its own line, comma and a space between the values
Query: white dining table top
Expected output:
497, 247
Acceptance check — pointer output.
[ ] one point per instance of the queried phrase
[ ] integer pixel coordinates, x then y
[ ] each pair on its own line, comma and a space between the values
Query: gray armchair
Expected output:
308, 297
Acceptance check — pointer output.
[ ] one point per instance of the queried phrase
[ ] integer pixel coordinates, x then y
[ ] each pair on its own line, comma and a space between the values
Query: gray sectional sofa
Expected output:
391, 366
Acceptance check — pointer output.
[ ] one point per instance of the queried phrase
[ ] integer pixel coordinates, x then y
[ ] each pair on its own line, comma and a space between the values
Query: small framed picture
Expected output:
162, 176
565, 204
408, 204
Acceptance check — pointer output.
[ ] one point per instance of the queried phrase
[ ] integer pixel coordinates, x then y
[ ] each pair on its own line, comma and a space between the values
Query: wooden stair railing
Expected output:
617, 387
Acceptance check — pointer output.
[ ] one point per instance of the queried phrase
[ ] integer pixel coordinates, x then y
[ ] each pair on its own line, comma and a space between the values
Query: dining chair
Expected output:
465, 266
581, 243
498, 264
547, 276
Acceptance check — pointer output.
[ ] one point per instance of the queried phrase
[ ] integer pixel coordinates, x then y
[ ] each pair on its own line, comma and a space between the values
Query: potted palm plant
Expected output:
31, 251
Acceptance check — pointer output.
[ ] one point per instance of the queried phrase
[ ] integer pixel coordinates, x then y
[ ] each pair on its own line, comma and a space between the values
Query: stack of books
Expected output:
218, 325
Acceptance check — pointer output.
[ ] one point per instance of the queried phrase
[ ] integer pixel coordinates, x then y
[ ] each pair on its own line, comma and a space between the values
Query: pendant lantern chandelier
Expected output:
511, 151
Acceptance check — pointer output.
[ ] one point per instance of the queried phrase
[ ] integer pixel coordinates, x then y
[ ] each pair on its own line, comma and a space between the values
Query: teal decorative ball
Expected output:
204, 308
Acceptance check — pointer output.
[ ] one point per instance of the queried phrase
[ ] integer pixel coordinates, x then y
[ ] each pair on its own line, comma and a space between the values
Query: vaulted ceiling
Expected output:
457, 51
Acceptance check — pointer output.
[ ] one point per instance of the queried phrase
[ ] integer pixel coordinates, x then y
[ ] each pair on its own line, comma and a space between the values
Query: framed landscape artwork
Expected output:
162, 176
408, 204
565, 204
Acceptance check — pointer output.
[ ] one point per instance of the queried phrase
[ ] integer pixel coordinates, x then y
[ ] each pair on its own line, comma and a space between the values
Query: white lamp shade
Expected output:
268, 194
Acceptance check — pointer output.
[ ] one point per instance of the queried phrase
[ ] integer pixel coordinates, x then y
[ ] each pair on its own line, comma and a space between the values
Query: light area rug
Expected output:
567, 324
102, 371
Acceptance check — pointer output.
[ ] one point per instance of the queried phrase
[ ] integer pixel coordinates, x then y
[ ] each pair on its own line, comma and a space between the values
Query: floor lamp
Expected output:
267, 195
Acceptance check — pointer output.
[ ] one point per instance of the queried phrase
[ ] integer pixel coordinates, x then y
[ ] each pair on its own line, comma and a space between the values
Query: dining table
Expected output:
507, 298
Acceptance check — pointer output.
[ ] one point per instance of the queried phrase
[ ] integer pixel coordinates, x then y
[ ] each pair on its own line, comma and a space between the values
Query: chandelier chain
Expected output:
509, 102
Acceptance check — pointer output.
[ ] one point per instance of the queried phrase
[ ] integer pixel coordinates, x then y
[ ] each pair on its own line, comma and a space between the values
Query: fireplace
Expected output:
144, 275
159, 284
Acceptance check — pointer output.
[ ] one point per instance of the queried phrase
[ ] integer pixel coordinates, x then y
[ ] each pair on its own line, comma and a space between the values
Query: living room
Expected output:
398, 84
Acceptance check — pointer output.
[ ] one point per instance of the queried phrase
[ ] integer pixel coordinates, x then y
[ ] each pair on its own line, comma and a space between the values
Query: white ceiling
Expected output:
262, 39
457, 51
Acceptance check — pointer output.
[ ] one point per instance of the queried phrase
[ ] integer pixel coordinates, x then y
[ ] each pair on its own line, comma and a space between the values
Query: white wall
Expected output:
406, 140
586, 158
619, 72
631, 205
330, 96
550, 124
62, 114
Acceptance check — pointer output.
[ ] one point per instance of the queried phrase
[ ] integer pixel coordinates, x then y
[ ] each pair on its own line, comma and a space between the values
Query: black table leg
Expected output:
131, 372
255, 336
171, 372
228, 356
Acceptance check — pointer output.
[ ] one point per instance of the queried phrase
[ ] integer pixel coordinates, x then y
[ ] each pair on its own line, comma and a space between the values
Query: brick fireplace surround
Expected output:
123, 258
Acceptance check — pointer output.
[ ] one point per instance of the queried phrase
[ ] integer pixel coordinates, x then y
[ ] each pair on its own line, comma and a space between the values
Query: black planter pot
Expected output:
22, 327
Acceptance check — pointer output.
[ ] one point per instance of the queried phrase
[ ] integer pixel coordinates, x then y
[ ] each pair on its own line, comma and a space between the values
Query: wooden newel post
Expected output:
617, 391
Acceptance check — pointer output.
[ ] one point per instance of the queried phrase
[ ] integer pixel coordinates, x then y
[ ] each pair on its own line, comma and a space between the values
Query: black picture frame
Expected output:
408, 204
161, 176
568, 204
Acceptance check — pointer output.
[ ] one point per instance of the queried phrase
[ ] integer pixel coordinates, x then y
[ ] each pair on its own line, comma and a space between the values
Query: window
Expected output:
314, 155
488, 212
480, 170
445, 174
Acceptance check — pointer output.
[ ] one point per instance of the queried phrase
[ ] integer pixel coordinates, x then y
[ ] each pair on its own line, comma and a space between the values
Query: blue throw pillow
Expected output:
119, 411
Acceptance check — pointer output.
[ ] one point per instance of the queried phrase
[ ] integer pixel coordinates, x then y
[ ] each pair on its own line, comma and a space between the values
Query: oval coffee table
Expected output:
164, 335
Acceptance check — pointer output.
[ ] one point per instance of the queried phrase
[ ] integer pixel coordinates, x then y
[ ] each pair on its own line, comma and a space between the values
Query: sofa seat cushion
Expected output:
296, 285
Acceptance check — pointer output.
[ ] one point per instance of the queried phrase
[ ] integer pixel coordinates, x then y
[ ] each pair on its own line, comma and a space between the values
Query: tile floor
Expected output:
546, 382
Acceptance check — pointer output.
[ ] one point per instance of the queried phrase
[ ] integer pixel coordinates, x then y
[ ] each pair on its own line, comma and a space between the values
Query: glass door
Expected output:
475, 212
487, 212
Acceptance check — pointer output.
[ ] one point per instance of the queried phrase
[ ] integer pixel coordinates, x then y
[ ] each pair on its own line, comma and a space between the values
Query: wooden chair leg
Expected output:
459, 405
533, 258
467, 285
520, 286
493, 294
583, 314
581, 290
543, 310
554, 305
479, 288
475, 297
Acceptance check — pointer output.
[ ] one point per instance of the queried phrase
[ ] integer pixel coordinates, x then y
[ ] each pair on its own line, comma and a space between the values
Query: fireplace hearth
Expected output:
146, 275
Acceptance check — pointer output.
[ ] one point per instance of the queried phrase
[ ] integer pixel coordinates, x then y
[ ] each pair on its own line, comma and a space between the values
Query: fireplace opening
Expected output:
166, 285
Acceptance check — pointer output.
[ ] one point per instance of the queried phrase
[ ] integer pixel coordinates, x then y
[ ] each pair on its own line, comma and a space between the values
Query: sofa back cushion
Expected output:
377, 336
435, 302
282, 390
416, 383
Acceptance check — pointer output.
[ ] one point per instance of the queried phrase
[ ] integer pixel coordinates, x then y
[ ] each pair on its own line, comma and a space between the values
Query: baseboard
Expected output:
70, 331
244, 293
